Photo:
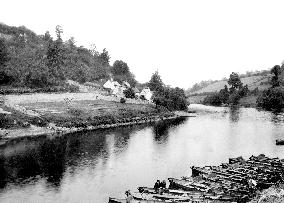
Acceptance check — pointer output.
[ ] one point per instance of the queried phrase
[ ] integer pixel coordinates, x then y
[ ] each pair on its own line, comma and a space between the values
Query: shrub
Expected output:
213, 100
271, 99
171, 98
122, 100
129, 93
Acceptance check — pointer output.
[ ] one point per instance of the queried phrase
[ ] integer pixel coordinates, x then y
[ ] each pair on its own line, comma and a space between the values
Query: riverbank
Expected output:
55, 115
247, 101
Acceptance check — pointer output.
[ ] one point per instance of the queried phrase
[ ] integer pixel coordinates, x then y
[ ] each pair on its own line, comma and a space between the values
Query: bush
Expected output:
234, 98
129, 93
122, 100
271, 99
171, 98
214, 100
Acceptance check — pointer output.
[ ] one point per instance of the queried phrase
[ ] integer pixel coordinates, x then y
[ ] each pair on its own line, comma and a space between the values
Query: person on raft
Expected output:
129, 197
163, 184
157, 185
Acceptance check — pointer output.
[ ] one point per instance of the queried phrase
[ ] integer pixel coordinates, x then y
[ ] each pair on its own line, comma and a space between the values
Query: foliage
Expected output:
276, 71
120, 68
104, 58
235, 82
120, 72
213, 99
171, 98
38, 61
4, 55
156, 83
224, 95
271, 99
231, 96
4, 58
122, 100
234, 98
129, 93
243, 91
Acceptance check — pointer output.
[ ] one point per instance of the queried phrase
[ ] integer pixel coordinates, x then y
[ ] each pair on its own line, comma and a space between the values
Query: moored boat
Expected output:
279, 142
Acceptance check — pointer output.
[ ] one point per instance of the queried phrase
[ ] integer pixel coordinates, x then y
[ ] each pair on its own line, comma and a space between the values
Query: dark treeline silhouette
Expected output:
39, 61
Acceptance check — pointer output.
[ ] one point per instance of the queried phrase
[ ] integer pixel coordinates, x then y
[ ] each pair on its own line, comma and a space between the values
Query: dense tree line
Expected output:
36, 61
227, 95
273, 97
170, 98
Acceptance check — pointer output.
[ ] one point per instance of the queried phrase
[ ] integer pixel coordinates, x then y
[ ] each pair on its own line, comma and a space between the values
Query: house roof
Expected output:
111, 84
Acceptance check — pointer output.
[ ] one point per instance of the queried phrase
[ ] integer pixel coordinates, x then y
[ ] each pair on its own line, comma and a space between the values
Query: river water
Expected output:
90, 167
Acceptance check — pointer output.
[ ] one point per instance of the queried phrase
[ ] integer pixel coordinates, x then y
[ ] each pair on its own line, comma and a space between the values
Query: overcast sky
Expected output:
187, 41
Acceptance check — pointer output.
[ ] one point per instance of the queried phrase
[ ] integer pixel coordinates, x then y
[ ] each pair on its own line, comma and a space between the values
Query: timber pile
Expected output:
236, 181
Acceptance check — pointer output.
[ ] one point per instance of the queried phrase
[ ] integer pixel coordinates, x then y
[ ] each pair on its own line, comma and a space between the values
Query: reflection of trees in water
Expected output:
52, 160
3, 174
161, 129
46, 160
49, 159
234, 113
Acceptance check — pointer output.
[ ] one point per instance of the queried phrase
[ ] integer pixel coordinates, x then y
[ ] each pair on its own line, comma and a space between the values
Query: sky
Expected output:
185, 40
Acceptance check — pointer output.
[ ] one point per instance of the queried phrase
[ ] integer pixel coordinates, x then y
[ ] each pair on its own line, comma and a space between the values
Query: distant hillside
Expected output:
260, 81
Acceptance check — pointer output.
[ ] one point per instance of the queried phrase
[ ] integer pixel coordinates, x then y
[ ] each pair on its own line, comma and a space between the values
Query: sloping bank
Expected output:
57, 118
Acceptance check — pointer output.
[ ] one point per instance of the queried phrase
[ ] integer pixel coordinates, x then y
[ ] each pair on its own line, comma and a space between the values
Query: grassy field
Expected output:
261, 82
78, 113
49, 118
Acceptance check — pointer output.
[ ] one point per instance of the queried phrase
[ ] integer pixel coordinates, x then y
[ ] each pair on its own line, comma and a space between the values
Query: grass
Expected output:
91, 112
18, 120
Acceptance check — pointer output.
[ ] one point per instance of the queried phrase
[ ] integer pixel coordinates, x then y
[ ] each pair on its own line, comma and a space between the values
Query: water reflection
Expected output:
95, 165
48, 159
234, 113
161, 129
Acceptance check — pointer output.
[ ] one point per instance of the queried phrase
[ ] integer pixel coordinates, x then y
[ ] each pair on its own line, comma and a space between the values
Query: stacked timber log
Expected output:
236, 181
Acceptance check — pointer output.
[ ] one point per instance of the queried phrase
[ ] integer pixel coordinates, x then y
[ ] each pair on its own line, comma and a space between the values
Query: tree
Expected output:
47, 37
276, 71
4, 55
120, 68
224, 95
4, 58
235, 82
156, 83
104, 57
55, 60
58, 31
271, 99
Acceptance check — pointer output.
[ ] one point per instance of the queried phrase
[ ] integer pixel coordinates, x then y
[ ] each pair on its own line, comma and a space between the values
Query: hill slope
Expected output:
261, 82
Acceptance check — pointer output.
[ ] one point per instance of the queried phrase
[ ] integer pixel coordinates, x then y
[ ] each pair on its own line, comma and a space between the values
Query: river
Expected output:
90, 167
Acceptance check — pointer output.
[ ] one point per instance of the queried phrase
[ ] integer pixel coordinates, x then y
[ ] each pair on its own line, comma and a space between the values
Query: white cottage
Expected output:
113, 86
147, 93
